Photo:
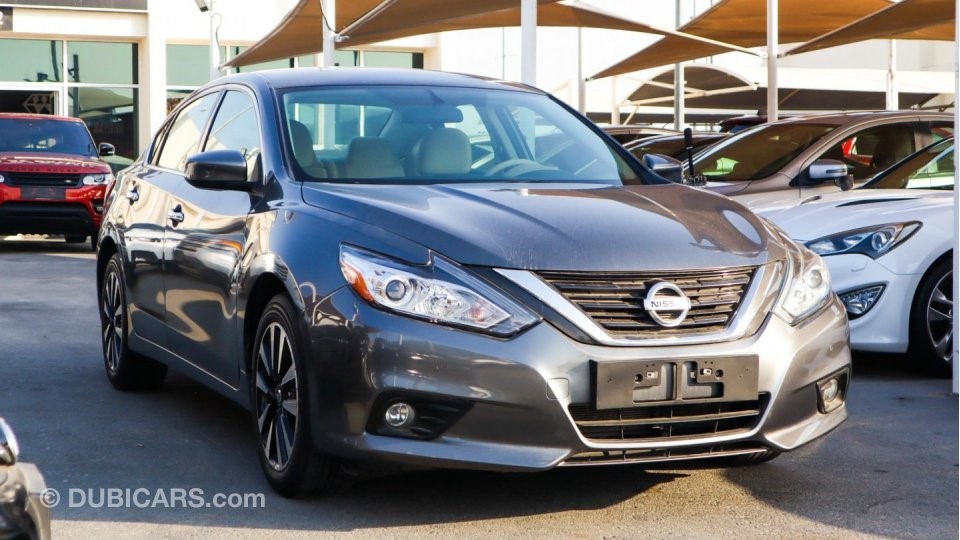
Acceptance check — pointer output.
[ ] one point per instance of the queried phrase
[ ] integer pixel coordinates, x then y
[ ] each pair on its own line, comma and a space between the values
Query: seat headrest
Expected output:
302, 144
372, 157
445, 151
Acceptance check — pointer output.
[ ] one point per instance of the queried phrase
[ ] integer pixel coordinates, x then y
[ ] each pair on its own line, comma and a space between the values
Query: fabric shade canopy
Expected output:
909, 19
699, 81
743, 23
300, 31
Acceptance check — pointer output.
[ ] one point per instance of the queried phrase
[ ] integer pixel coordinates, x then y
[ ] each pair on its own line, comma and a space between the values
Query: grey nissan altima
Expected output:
439, 270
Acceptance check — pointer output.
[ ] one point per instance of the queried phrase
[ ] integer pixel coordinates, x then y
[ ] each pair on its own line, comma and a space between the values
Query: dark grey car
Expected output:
440, 270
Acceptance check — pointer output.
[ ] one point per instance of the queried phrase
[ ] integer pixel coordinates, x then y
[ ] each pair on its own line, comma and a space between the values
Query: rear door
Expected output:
206, 248
143, 206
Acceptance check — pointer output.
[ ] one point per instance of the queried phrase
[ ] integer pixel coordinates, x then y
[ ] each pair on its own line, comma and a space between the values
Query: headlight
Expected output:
870, 241
96, 179
808, 285
2, 179
440, 291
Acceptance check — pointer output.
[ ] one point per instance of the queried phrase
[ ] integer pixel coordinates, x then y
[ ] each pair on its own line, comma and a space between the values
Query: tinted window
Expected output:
931, 168
30, 60
102, 62
872, 150
439, 134
183, 137
40, 135
235, 128
760, 152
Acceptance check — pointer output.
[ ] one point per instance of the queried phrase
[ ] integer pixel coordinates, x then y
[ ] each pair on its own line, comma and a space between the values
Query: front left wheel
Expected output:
126, 369
281, 411
931, 320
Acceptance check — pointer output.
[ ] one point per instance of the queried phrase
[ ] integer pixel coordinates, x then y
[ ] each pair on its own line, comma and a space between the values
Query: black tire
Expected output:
93, 243
75, 239
126, 370
280, 404
931, 319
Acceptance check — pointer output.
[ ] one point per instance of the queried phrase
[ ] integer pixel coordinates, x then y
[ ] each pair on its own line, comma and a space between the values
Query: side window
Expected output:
874, 149
235, 127
183, 137
940, 130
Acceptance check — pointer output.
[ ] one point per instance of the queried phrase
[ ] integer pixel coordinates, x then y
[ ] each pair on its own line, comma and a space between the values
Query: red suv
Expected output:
52, 180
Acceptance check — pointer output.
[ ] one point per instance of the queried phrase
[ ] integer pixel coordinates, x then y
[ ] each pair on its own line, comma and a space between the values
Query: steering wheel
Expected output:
519, 166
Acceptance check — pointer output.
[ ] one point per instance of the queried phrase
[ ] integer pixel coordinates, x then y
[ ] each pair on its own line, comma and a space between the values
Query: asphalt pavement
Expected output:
158, 465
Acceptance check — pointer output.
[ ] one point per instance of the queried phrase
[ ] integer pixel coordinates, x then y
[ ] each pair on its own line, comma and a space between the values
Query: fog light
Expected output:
399, 415
831, 391
860, 301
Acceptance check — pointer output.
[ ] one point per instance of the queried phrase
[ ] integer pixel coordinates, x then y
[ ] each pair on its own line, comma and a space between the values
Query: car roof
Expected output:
311, 76
843, 118
29, 116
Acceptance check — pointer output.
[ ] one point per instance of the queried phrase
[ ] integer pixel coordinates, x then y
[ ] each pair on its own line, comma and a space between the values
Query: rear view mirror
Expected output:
827, 170
106, 149
665, 166
218, 169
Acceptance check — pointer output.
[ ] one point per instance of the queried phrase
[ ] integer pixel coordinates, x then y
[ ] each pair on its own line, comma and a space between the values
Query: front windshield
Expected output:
421, 134
37, 135
931, 168
759, 152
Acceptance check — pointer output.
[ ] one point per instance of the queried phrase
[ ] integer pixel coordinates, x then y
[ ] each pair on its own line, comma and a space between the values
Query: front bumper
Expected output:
78, 213
520, 390
886, 327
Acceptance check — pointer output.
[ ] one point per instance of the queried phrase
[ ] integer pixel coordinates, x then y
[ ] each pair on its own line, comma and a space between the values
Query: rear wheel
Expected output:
126, 369
281, 411
931, 319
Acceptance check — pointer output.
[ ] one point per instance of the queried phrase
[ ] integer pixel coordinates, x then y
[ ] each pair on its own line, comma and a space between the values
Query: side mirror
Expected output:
106, 149
826, 170
218, 169
9, 449
665, 166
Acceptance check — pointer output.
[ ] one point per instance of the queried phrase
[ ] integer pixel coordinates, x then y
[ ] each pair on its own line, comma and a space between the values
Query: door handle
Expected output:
176, 215
133, 195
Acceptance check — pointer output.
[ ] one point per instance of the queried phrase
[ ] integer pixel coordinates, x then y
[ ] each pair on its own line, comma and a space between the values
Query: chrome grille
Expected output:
615, 300
42, 179
668, 421
655, 455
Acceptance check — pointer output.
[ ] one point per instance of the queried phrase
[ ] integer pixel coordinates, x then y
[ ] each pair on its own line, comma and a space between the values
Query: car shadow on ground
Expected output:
42, 245
902, 425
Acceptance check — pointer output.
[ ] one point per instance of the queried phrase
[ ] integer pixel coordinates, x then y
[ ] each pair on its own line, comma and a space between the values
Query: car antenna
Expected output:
692, 177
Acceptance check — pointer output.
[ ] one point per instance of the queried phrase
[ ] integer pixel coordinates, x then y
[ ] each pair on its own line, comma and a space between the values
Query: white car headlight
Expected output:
807, 286
96, 179
870, 241
440, 291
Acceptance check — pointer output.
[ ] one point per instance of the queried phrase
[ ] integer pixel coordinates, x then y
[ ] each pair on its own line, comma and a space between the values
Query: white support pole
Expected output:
893, 100
956, 205
214, 43
679, 86
773, 38
581, 82
329, 32
528, 42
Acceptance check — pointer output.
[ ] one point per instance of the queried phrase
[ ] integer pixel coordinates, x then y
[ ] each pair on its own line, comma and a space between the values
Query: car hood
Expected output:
574, 227
831, 213
50, 163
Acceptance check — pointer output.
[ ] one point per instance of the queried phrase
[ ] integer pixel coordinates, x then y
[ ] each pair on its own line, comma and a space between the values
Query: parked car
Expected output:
373, 291
889, 249
628, 133
674, 146
52, 179
784, 162
22, 514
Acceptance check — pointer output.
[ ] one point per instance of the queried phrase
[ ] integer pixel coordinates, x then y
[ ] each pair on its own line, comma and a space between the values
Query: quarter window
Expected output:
183, 137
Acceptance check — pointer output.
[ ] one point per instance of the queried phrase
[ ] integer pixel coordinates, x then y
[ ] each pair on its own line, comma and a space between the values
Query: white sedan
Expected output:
888, 247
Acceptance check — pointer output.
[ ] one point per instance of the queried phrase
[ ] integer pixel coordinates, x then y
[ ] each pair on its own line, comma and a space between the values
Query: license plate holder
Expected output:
625, 384
42, 193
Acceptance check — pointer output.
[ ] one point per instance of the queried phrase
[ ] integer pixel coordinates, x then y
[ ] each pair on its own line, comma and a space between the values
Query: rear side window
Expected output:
235, 128
183, 137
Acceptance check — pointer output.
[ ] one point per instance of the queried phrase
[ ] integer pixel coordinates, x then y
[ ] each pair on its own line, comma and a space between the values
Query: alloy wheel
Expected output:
940, 317
112, 321
277, 391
